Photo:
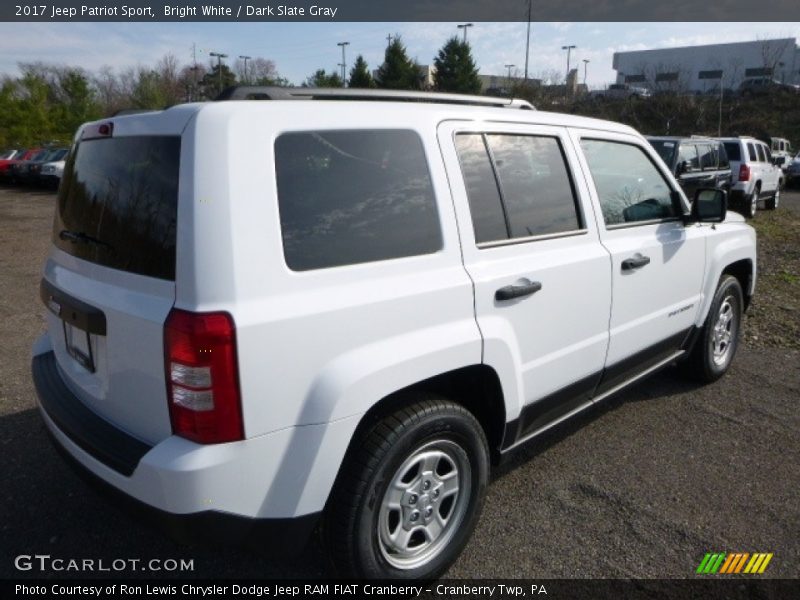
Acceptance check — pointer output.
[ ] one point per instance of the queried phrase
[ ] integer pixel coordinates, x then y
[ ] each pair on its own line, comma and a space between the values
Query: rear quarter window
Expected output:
357, 196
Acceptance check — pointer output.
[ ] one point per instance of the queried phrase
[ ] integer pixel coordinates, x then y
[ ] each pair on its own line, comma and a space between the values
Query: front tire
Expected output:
772, 203
716, 346
409, 494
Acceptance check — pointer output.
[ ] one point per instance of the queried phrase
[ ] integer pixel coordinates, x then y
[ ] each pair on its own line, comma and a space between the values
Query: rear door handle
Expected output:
510, 292
636, 262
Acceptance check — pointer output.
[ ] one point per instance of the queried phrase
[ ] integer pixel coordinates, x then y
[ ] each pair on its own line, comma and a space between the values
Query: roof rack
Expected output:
252, 92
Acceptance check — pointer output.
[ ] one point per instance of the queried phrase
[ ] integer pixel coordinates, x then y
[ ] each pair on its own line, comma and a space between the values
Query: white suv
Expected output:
271, 316
754, 177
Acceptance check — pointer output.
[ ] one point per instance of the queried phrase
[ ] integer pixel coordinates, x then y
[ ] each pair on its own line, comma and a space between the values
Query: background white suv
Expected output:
267, 317
754, 177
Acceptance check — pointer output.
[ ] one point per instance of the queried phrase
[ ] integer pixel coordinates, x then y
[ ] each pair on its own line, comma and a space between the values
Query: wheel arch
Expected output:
476, 387
742, 270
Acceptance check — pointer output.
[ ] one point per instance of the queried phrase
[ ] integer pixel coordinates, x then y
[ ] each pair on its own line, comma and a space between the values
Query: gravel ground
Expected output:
641, 487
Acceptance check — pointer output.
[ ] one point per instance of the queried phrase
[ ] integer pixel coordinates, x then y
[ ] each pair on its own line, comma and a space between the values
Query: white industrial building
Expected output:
701, 68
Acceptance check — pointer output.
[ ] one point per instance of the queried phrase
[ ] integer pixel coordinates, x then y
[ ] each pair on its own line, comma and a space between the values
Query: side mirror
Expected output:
710, 205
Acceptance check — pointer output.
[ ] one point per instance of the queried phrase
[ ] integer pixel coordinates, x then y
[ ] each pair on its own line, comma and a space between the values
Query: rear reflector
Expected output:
203, 380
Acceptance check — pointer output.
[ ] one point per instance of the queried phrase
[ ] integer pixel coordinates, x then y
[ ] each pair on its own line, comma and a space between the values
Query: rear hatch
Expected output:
109, 282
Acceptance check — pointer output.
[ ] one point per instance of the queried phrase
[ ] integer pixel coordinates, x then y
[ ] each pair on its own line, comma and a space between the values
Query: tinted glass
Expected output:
708, 157
722, 156
350, 197
733, 151
665, 149
485, 207
688, 153
761, 155
629, 185
535, 184
120, 195
751, 150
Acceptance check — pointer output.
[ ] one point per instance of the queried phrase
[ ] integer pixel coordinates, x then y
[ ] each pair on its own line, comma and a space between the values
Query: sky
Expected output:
299, 49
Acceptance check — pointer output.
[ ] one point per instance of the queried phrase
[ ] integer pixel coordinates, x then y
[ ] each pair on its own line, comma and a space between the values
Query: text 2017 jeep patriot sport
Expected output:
307, 311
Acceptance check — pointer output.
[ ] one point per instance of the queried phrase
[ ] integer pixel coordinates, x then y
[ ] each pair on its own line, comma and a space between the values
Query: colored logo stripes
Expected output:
734, 562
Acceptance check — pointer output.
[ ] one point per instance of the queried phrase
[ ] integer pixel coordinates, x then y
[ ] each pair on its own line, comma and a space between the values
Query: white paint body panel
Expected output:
317, 349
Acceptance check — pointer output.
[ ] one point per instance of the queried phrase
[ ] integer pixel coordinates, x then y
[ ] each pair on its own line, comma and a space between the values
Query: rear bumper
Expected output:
247, 492
209, 526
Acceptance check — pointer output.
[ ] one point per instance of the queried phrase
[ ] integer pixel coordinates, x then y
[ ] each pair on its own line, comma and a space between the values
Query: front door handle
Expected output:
636, 262
510, 292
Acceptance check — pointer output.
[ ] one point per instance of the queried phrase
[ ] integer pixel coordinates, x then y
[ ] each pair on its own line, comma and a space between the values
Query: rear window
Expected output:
349, 197
118, 204
733, 151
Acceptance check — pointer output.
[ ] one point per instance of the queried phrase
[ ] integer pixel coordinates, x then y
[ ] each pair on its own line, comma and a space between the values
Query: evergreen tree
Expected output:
211, 80
360, 76
398, 72
455, 69
321, 79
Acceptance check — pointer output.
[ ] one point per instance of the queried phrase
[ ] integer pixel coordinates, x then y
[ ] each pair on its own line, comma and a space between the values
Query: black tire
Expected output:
750, 204
703, 364
357, 514
772, 203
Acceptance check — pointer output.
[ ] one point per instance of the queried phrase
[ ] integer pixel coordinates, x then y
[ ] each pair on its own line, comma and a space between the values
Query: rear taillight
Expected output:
202, 376
744, 173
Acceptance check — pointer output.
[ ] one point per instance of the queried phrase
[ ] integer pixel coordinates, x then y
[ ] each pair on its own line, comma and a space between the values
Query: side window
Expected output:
688, 153
518, 186
751, 151
629, 185
348, 197
534, 184
761, 156
768, 154
708, 157
485, 205
723, 157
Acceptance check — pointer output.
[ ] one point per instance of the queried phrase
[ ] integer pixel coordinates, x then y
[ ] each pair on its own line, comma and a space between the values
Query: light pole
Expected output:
464, 26
509, 71
528, 41
219, 66
586, 62
344, 62
566, 86
246, 76
721, 90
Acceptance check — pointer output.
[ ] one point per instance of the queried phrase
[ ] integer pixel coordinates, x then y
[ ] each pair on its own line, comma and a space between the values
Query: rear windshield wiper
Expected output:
80, 237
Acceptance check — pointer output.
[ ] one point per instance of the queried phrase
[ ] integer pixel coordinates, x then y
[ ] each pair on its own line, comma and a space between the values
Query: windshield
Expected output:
665, 149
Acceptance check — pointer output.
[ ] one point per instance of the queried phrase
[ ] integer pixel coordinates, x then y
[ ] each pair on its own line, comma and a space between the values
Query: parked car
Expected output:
766, 85
370, 298
793, 171
782, 152
622, 90
7, 166
51, 172
696, 162
27, 172
755, 178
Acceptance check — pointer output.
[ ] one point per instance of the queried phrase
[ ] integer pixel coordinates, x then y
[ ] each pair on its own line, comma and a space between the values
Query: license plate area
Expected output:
78, 343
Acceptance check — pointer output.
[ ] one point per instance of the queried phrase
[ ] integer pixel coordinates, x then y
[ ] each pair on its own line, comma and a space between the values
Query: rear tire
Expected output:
716, 345
750, 207
409, 493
